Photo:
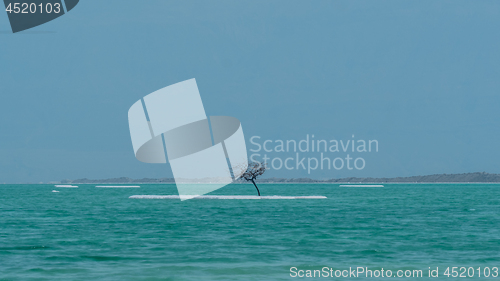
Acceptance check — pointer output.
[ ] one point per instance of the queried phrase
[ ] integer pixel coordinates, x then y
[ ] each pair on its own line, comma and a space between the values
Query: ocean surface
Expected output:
90, 233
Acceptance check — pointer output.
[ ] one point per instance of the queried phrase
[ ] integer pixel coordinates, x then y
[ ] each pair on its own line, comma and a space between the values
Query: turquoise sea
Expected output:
90, 233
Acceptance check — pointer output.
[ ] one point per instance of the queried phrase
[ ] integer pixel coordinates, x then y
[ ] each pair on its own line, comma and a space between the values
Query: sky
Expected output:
420, 77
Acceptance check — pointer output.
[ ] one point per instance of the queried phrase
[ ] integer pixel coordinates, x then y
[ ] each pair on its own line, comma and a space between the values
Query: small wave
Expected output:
106, 258
23, 248
361, 185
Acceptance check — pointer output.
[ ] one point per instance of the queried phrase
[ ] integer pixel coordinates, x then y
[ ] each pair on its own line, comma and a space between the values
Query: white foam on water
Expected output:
118, 186
225, 197
55, 191
66, 186
361, 185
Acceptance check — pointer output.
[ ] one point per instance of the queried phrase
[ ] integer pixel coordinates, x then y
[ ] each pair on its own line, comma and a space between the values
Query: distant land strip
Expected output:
437, 178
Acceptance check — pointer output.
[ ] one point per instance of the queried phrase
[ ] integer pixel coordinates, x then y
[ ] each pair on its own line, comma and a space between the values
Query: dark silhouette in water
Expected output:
254, 170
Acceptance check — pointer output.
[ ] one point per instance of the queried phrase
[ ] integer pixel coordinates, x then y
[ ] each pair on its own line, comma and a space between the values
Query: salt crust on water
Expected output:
222, 197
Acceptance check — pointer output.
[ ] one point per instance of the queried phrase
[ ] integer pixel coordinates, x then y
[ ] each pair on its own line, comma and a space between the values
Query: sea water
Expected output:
90, 233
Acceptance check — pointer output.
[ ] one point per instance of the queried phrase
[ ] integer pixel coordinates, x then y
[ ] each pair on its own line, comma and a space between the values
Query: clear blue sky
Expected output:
421, 77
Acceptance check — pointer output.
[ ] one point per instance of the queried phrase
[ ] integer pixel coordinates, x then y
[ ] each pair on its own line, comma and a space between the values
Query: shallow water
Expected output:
92, 233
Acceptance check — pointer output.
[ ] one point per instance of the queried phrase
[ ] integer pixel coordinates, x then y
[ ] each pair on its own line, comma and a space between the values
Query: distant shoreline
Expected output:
436, 178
